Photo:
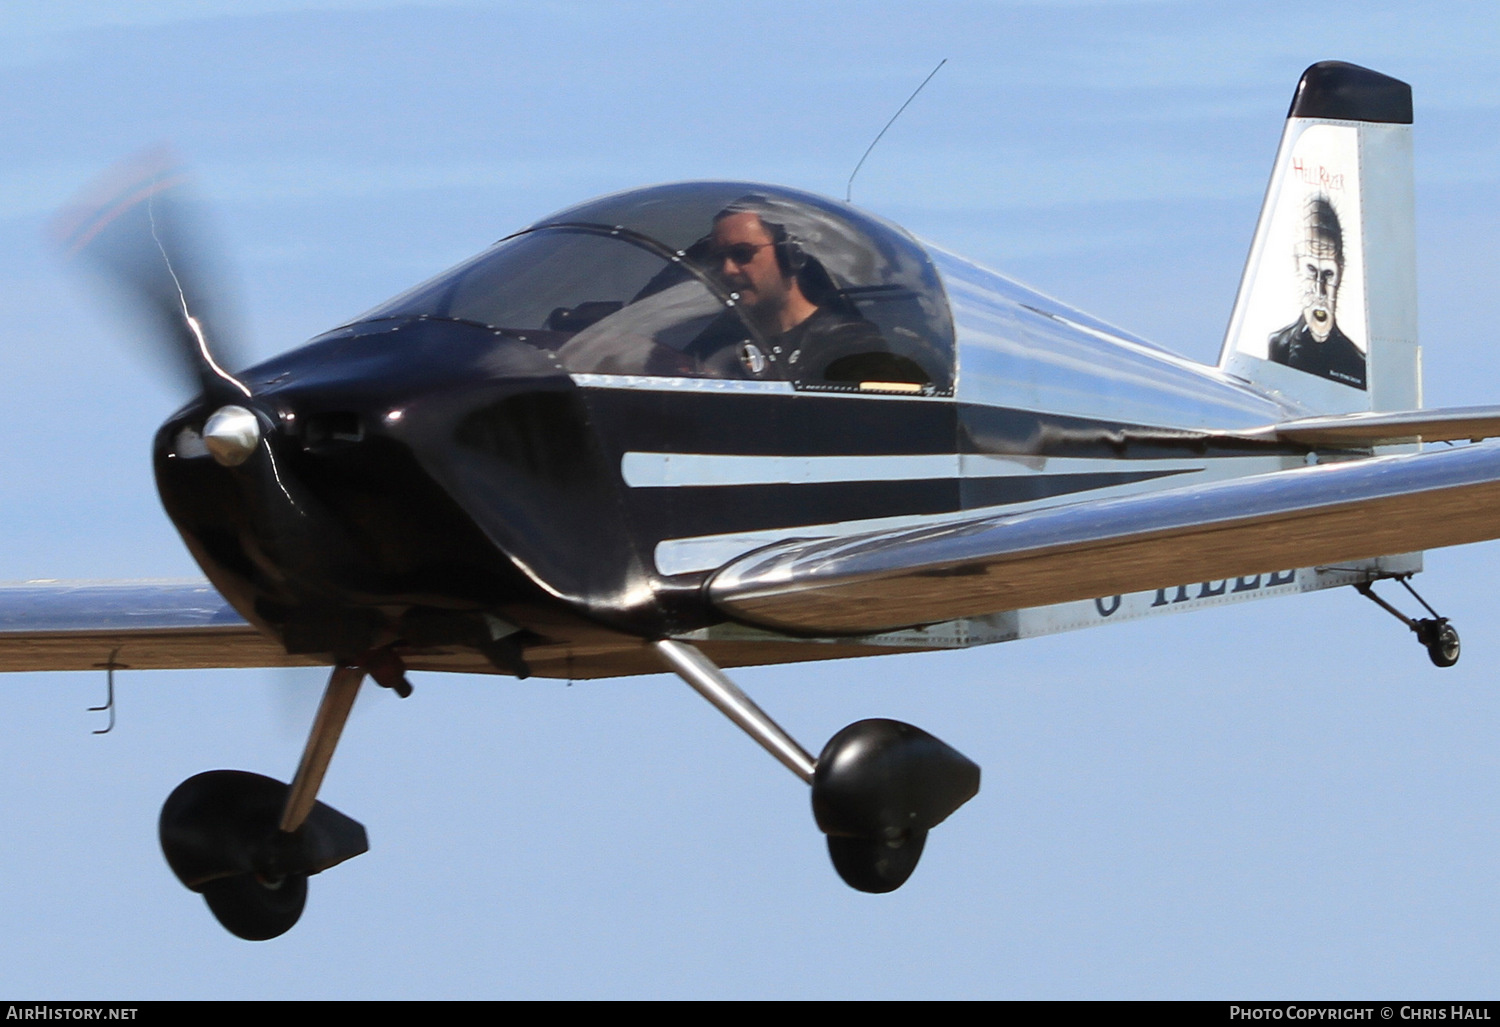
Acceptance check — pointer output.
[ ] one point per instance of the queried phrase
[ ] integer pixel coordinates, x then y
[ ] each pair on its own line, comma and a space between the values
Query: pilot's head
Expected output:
1320, 266
754, 257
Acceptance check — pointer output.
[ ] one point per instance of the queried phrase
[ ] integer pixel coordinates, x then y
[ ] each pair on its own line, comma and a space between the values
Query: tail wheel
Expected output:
1443, 649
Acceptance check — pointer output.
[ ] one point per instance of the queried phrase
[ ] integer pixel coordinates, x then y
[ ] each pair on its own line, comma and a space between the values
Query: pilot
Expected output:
757, 259
1314, 342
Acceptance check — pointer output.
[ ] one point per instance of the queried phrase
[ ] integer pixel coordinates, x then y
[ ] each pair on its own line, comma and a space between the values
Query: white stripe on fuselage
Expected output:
666, 470
706, 552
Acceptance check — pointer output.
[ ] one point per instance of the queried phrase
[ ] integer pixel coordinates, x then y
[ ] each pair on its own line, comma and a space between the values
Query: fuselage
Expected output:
579, 425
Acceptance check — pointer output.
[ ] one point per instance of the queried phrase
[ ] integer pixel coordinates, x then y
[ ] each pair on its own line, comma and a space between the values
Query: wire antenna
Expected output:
849, 189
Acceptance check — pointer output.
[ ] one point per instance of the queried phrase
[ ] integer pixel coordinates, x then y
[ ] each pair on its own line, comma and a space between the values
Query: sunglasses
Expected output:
740, 253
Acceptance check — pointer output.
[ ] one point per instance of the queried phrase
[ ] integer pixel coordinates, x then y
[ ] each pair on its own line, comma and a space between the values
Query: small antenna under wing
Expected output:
849, 189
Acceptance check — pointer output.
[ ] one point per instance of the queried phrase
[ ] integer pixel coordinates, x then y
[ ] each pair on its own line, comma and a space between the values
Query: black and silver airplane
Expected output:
720, 424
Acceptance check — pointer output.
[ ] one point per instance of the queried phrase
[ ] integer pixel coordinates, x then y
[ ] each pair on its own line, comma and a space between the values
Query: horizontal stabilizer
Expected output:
1310, 516
1378, 429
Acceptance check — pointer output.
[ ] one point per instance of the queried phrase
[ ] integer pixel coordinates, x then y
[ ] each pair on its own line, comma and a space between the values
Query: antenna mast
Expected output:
849, 189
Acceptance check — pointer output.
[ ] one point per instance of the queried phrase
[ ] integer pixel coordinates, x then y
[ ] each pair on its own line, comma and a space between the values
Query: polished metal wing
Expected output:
84, 625
1310, 516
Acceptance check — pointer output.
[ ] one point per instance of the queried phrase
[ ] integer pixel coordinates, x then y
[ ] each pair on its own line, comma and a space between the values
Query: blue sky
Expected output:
1280, 800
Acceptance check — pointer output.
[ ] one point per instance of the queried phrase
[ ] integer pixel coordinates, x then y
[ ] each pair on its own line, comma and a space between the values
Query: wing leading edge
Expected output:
1310, 516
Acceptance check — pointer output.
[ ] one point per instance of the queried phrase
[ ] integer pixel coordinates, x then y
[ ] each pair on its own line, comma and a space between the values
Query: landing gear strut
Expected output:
1435, 633
248, 843
878, 786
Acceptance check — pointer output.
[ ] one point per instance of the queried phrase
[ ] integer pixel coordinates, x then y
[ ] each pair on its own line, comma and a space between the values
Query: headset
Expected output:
790, 256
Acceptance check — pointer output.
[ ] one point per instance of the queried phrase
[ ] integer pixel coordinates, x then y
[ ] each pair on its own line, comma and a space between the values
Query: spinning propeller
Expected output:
133, 229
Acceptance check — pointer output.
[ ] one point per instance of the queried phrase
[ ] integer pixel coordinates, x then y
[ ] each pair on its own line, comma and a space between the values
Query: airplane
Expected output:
709, 425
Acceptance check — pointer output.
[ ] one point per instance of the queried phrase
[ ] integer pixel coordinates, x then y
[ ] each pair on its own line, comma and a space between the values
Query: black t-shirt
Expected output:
828, 348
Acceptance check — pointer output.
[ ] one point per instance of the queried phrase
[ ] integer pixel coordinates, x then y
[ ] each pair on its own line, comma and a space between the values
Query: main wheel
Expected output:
873, 864
257, 908
1443, 650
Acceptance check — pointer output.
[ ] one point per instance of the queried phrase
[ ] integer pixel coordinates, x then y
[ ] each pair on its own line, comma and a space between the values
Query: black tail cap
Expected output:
1347, 92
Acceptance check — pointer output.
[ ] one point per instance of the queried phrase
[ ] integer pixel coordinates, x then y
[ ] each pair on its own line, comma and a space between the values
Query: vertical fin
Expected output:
1326, 315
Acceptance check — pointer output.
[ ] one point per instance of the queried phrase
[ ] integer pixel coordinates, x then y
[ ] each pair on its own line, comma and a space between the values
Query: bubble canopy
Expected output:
711, 280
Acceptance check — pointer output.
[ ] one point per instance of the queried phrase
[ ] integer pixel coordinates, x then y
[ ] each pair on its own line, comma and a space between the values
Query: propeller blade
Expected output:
132, 228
